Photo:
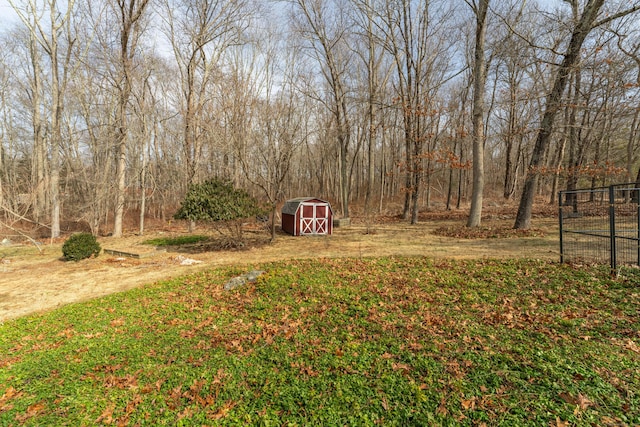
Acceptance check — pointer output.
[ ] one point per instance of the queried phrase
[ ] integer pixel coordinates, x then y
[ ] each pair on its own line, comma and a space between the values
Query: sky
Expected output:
7, 15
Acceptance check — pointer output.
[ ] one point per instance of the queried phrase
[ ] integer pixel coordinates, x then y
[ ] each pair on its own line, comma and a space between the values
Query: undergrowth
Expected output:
390, 341
500, 232
176, 241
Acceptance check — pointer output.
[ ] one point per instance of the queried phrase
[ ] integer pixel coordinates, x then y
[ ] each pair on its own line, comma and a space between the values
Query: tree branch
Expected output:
617, 16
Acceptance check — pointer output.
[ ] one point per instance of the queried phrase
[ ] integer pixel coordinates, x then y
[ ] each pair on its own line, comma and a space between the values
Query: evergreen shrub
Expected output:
80, 246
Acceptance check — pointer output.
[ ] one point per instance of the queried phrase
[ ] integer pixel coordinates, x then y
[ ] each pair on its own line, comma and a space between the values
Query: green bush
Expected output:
80, 246
217, 202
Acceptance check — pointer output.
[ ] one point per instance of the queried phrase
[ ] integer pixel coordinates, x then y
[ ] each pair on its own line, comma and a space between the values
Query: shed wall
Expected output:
289, 224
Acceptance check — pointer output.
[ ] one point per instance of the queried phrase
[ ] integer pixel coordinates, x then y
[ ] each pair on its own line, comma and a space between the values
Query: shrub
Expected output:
217, 202
80, 246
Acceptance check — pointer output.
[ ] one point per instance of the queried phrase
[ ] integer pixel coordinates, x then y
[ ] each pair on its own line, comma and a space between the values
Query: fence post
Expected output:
612, 229
561, 219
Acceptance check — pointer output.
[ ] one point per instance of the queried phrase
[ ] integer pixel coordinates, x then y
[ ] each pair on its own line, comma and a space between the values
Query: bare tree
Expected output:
479, 76
376, 75
325, 28
6, 168
47, 36
34, 91
456, 145
587, 21
632, 50
147, 117
129, 28
366, 98
421, 55
200, 32
278, 124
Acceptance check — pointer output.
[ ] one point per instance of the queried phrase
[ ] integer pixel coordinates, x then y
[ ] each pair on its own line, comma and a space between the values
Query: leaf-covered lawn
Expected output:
391, 341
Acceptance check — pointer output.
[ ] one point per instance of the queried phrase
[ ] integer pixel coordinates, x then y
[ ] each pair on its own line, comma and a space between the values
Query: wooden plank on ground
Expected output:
120, 253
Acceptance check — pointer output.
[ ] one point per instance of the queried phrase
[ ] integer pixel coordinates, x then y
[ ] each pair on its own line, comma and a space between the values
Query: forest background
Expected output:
111, 109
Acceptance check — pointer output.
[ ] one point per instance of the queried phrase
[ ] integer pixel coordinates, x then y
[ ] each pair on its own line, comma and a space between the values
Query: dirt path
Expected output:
32, 282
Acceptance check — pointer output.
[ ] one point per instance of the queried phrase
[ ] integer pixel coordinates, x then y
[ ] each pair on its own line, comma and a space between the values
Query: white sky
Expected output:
7, 15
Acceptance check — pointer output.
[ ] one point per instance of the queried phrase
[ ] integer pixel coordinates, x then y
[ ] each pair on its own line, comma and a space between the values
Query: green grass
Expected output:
390, 341
176, 241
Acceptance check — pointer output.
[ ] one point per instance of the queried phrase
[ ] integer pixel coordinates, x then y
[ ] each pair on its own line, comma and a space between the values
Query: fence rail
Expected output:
600, 225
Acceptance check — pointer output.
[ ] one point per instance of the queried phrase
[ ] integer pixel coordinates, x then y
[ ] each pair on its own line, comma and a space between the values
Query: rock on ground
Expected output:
238, 281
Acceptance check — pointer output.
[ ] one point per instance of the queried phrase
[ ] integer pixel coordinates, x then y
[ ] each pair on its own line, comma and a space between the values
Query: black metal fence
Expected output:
601, 225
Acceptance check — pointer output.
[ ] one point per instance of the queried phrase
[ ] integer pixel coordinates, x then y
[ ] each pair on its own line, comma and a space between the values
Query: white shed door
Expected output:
314, 218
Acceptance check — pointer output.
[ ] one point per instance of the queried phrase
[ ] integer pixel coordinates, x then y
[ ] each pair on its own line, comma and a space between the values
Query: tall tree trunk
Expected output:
344, 178
508, 167
409, 167
129, 13
633, 132
559, 159
635, 198
57, 91
479, 76
416, 181
143, 172
575, 156
143, 193
371, 113
39, 149
121, 165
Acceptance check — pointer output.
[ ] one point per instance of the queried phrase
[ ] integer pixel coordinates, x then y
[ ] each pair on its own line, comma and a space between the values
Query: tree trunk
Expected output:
344, 179
416, 181
479, 76
129, 12
39, 149
371, 131
143, 184
553, 104
636, 194
121, 164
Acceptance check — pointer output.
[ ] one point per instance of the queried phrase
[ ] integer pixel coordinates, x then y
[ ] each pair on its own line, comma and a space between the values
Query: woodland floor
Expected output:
33, 281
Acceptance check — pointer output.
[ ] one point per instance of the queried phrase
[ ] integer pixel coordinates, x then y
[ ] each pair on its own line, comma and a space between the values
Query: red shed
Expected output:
307, 215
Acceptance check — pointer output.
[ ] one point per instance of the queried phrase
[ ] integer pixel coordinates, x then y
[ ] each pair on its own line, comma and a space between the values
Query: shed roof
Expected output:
291, 206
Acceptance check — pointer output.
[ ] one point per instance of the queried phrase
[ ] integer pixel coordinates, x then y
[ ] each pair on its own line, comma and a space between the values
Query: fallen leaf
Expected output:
117, 322
385, 404
9, 393
609, 421
223, 411
568, 398
32, 411
581, 401
469, 404
442, 408
107, 416
186, 413
401, 367
630, 345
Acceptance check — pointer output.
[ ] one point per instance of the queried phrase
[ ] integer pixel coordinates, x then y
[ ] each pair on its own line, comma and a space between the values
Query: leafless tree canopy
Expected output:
110, 109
